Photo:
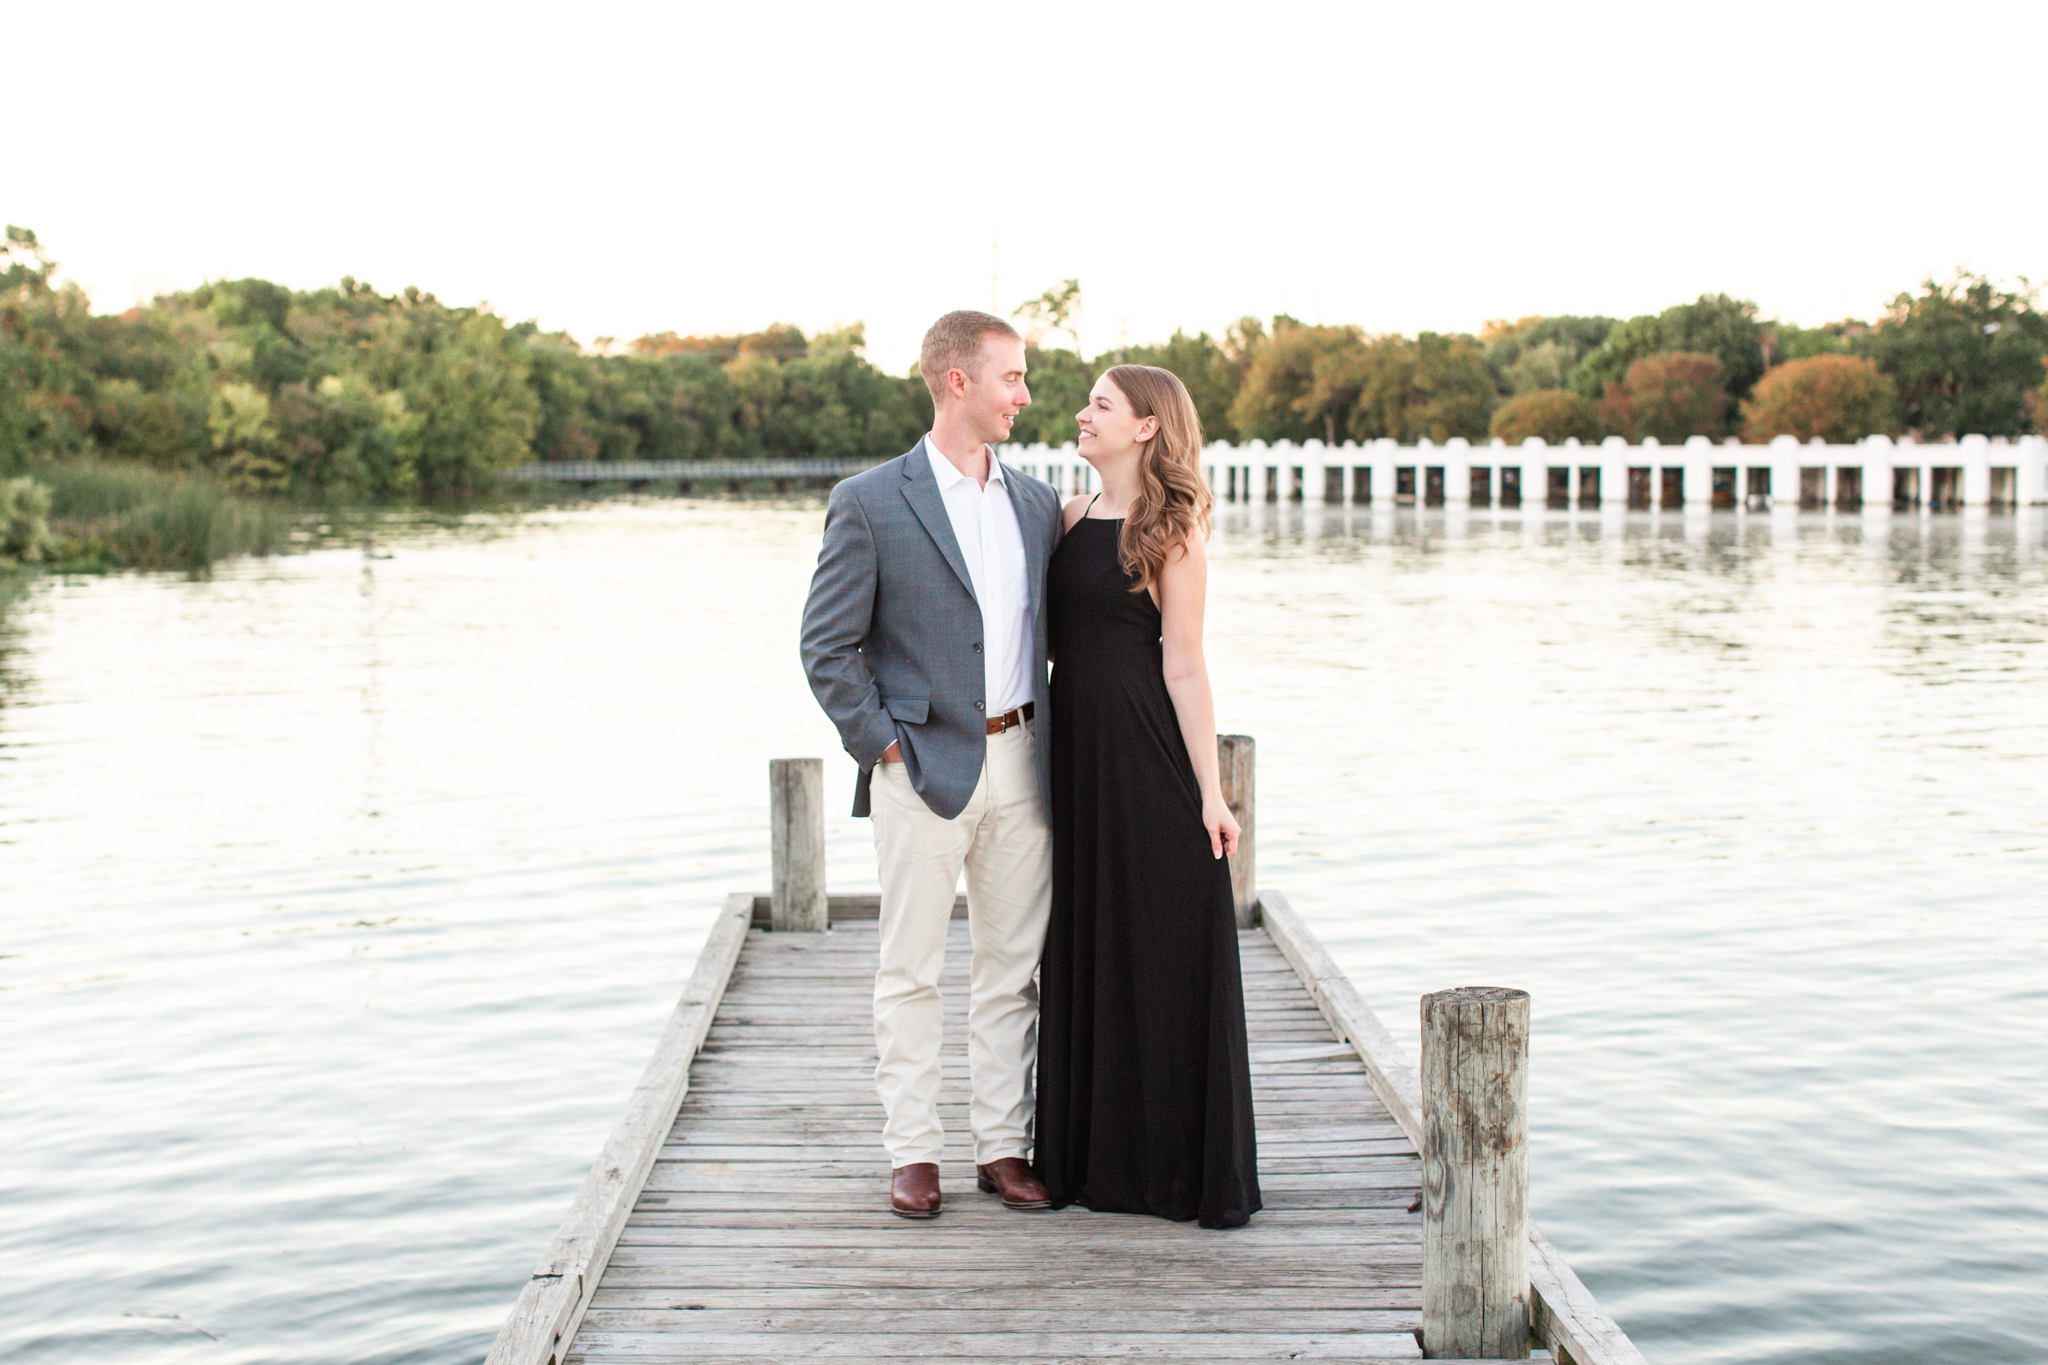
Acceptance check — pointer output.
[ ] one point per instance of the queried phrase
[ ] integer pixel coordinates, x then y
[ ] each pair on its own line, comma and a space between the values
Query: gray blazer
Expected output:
892, 630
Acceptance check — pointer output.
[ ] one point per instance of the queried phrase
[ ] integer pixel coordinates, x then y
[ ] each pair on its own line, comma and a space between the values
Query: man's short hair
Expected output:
954, 343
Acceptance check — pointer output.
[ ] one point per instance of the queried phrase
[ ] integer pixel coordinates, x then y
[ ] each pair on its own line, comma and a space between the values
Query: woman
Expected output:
1144, 1085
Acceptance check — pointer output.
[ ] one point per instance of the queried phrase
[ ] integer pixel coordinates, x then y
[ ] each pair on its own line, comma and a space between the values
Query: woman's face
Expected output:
1110, 430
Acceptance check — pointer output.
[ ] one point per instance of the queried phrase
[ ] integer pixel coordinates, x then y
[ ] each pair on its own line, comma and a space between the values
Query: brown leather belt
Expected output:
998, 724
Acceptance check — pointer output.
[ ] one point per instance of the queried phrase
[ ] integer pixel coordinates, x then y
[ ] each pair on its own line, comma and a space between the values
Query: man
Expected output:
924, 639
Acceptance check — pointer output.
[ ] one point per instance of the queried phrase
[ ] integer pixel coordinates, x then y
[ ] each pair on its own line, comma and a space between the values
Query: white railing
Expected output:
1974, 472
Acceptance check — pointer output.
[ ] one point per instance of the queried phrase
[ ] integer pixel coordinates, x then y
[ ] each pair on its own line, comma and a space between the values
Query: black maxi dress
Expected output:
1144, 1079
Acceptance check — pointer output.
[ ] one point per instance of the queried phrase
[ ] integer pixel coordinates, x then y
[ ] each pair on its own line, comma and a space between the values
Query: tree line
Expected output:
346, 391
1950, 359
353, 392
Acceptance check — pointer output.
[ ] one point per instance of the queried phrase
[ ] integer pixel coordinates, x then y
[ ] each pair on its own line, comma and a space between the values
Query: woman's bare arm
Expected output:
1183, 595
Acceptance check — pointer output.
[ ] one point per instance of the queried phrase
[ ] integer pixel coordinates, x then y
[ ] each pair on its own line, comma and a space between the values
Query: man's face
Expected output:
991, 402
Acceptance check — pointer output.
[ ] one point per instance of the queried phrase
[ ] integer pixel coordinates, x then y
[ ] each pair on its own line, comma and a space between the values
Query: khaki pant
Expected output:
1002, 842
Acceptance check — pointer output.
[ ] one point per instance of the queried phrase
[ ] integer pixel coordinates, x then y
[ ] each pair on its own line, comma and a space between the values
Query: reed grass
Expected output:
123, 516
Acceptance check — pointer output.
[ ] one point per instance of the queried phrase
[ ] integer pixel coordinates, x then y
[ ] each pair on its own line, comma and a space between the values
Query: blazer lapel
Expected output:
1030, 512
921, 491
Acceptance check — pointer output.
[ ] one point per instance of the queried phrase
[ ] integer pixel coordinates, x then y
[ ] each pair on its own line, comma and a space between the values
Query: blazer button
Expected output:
979, 707
977, 646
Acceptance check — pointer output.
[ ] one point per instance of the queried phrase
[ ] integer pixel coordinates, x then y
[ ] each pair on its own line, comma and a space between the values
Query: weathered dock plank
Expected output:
768, 1235
740, 1213
1109, 1341
553, 1301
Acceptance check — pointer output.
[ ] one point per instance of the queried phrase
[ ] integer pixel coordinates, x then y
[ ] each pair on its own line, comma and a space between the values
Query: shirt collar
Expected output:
948, 474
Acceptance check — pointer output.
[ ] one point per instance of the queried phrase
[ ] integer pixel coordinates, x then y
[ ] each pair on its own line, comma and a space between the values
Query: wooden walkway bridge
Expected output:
739, 1211
687, 474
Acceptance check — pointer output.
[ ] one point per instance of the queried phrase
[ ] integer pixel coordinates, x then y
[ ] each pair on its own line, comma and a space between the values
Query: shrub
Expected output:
1553, 414
1669, 397
24, 523
1838, 398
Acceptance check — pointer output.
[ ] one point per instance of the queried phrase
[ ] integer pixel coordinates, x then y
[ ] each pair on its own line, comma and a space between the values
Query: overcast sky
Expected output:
615, 169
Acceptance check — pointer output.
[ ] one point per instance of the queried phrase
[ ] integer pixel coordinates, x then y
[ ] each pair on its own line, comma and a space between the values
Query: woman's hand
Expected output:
1222, 826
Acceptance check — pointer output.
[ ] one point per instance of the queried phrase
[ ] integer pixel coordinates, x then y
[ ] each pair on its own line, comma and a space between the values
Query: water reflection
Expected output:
1997, 542
1747, 803
14, 588
1952, 581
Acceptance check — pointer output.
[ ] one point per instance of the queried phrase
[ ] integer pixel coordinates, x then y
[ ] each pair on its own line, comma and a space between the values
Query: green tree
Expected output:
1059, 382
29, 267
1964, 356
341, 437
779, 341
165, 428
1055, 311
1784, 342
45, 375
1338, 372
680, 406
1627, 342
837, 406
1543, 366
1724, 328
1301, 384
1212, 374
1433, 387
852, 339
565, 428
758, 384
1556, 415
244, 441
1838, 398
1540, 353
478, 415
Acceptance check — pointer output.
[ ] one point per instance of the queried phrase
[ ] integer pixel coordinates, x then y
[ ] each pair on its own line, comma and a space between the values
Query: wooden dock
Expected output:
739, 1213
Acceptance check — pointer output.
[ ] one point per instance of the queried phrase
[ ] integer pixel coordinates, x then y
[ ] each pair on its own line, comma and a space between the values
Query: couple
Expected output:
1086, 814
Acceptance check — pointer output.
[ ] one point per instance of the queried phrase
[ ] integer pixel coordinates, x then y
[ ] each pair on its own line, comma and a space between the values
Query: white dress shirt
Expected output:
985, 524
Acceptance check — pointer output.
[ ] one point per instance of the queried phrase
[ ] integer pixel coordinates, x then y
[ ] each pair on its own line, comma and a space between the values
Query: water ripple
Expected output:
345, 895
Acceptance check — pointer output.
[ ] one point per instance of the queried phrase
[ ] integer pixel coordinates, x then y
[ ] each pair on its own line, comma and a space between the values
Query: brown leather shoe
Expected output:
1012, 1179
914, 1190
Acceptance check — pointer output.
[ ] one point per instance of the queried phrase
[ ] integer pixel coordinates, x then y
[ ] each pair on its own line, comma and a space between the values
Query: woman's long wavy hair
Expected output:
1173, 499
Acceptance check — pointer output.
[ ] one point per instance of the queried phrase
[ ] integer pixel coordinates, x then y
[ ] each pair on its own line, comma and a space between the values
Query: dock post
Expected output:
1234, 755
796, 839
1475, 1174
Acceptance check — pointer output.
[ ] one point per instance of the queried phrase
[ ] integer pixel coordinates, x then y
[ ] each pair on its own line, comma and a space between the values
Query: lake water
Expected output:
343, 896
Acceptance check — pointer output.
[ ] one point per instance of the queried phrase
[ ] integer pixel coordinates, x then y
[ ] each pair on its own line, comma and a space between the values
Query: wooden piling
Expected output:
796, 820
1475, 1174
1234, 763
